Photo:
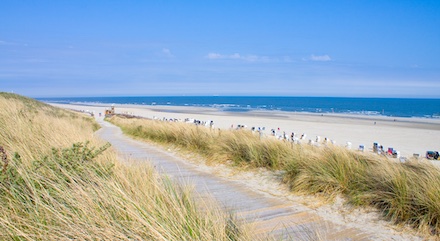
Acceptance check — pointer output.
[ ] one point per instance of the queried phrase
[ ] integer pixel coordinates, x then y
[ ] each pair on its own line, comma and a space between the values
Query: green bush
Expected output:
62, 166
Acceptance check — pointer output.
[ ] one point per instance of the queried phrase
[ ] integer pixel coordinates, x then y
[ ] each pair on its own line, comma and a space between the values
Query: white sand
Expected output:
407, 135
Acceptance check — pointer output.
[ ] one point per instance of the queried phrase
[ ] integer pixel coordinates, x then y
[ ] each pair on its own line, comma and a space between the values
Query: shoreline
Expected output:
190, 108
407, 135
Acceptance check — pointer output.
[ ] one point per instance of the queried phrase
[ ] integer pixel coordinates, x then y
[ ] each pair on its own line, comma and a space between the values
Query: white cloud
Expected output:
166, 52
319, 58
235, 56
248, 58
7, 43
2, 42
287, 59
214, 56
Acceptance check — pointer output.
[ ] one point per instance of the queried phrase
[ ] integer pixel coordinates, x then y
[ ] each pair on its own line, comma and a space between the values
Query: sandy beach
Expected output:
406, 135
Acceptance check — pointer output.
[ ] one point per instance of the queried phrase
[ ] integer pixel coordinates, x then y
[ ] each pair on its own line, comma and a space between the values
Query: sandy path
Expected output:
249, 196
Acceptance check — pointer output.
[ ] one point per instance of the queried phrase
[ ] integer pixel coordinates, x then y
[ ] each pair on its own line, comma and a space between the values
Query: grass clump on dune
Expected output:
406, 193
58, 182
241, 147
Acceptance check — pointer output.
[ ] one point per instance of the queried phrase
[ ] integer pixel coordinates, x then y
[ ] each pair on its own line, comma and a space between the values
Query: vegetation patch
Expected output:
51, 189
406, 193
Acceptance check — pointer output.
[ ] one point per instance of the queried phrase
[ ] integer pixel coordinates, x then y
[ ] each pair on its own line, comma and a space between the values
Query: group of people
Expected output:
209, 123
295, 137
284, 136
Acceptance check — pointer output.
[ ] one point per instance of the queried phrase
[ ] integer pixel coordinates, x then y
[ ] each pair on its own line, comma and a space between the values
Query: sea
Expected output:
393, 107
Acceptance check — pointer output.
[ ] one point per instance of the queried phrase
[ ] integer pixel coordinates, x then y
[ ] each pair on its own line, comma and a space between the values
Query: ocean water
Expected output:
396, 107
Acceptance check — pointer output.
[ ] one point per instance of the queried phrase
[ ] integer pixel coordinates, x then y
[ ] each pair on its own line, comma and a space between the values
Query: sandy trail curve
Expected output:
280, 217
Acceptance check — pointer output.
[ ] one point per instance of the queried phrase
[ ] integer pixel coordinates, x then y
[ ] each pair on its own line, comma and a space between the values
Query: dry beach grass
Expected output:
58, 182
405, 193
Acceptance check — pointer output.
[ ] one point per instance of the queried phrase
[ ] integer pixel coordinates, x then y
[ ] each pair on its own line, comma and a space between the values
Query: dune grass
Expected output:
58, 182
406, 193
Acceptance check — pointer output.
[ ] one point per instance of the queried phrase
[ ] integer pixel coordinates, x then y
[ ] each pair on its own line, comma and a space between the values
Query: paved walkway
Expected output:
286, 220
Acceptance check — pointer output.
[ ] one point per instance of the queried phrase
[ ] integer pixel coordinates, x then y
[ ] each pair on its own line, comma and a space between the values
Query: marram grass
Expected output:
57, 182
406, 193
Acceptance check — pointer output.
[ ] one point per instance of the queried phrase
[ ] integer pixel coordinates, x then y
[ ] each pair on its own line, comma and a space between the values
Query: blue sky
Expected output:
280, 48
